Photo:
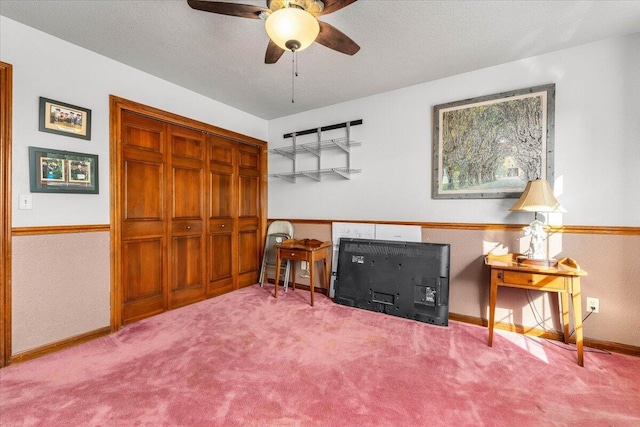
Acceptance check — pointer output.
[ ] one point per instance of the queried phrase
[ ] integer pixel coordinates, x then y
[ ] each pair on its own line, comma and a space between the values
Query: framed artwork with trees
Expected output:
491, 146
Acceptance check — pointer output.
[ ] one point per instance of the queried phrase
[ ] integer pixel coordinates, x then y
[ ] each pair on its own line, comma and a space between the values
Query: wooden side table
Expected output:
563, 278
309, 250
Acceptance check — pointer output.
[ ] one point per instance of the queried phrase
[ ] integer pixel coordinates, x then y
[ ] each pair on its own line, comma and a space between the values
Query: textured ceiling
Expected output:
402, 43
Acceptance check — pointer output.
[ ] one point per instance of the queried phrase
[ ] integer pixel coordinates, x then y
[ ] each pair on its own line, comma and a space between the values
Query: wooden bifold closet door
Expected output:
163, 241
249, 236
191, 215
185, 198
235, 239
222, 215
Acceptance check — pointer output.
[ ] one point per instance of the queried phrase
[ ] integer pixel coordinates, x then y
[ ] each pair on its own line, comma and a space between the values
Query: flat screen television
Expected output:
404, 279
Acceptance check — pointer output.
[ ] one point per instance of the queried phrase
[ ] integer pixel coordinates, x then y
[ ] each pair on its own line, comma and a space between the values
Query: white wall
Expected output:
52, 68
597, 144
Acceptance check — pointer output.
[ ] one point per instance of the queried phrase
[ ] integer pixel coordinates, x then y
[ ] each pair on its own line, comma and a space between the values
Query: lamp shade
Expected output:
537, 197
292, 29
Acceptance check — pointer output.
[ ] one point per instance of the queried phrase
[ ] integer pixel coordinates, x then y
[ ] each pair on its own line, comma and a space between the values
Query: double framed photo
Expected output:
54, 171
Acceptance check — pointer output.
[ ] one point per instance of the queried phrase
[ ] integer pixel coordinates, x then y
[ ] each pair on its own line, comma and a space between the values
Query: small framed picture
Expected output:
54, 171
64, 119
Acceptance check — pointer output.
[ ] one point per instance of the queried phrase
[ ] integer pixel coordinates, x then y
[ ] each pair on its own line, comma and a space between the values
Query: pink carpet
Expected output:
247, 359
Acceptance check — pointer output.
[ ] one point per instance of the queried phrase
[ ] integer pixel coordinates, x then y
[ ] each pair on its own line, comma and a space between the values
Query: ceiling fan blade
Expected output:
274, 52
231, 9
335, 39
331, 6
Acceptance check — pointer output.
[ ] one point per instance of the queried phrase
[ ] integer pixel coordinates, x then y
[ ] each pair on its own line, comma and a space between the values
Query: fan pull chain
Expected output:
294, 73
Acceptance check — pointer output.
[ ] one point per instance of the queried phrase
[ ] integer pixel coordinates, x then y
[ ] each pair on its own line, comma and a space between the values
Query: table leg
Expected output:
564, 308
293, 274
576, 296
277, 280
311, 262
327, 274
493, 294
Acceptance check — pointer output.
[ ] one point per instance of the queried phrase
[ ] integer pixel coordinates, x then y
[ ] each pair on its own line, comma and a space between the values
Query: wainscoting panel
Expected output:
60, 287
61, 282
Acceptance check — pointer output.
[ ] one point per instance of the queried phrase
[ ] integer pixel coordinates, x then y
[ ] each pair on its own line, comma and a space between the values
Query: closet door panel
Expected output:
249, 158
222, 213
221, 277
187, 144
143, 182
142, 133
249, 240
187, 285
249, 257
185, 195
221, 265
142, 274
248, 194
143, 218
221, 194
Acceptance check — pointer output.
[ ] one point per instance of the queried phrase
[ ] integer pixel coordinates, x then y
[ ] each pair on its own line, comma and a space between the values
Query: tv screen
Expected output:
404, 279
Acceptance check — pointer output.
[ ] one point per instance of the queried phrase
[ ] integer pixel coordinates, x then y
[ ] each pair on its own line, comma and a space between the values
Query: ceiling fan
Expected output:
291, 24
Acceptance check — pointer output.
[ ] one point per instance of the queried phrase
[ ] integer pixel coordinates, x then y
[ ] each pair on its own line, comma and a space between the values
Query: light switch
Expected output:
26, 201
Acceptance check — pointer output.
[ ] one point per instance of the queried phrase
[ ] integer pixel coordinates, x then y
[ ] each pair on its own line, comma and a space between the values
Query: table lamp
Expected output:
537, 197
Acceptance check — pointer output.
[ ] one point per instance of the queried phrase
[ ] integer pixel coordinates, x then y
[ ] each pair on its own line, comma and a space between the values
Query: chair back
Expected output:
280, 227
270, 249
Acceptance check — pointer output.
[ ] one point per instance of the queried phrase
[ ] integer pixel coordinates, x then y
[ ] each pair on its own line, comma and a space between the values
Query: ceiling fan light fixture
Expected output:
292, 28
314, 7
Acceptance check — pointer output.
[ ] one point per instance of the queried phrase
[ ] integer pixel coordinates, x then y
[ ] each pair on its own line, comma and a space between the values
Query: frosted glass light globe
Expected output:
292, 29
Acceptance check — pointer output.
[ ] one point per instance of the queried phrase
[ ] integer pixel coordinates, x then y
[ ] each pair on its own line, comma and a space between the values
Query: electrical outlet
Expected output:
593, 304
304, 266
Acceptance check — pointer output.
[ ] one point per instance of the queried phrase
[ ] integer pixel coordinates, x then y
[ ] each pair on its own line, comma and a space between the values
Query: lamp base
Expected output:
531, 261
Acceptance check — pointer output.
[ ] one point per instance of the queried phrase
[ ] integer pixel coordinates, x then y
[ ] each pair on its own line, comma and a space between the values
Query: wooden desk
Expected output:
564, 278
309, 250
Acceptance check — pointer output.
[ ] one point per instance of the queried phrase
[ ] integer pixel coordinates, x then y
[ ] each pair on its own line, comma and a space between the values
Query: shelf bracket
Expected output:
285, 153
286, 176
293, 167
313, 175
310, 149
347, 150
318, 145
344, 147
343, 173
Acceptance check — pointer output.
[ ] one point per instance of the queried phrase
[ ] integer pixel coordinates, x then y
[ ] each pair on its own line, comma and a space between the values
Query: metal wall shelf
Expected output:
315, 149
316, 174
